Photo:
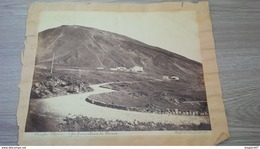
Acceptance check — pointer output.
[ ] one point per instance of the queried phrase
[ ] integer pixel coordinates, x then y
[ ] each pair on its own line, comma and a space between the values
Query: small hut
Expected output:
166, 78
175, 78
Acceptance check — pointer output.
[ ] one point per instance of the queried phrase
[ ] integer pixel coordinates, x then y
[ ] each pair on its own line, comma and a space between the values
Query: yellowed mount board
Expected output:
182, 28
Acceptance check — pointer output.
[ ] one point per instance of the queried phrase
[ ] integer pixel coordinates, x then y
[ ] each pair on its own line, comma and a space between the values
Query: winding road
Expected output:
75, 104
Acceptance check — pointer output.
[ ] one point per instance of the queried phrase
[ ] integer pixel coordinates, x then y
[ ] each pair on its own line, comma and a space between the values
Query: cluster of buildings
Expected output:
124, 69
138, 69
168, 78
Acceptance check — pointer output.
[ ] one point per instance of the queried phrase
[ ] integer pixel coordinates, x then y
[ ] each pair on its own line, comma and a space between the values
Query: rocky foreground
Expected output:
55, 85
84, 123
81, 123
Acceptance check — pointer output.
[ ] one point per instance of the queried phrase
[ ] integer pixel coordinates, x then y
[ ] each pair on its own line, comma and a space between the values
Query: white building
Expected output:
175, 78
100, 68
121, 68
166, 78
113, 69
134, 69
137, 69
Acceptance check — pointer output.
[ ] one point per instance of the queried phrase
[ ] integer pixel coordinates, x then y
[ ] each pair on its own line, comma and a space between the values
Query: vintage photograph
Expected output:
118, 72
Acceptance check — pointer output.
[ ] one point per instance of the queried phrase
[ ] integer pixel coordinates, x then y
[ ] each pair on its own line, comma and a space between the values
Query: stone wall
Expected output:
147, 110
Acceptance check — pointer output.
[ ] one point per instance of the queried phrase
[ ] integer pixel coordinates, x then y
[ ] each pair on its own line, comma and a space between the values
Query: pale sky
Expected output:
173, 31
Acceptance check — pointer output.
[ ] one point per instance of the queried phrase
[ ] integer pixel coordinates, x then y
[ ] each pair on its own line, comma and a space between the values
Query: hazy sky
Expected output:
173, 31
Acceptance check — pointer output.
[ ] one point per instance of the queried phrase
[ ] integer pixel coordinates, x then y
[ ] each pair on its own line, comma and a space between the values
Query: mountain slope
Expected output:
77, 46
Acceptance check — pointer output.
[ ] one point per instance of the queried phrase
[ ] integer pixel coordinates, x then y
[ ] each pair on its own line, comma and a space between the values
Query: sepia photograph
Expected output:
112, 71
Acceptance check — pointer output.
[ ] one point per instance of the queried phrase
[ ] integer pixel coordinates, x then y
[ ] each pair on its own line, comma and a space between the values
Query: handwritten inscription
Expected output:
73, 134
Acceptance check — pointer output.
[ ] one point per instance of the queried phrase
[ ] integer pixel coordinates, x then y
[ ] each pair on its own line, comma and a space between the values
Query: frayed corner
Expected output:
222, 137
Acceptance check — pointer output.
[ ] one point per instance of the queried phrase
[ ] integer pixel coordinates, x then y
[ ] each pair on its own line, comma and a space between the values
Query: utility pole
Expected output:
80, 80
52, 63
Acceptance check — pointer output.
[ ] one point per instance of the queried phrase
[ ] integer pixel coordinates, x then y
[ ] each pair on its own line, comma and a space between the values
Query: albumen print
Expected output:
116, 71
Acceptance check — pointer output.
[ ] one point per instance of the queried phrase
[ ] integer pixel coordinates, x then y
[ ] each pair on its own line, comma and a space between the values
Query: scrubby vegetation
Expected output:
155, 97
46, 85
84, 123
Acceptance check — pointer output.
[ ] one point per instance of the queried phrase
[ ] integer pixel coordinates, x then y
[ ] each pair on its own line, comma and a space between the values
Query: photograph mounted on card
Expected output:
120, 74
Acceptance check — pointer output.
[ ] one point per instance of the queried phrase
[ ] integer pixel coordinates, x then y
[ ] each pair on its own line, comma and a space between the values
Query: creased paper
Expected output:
161, 44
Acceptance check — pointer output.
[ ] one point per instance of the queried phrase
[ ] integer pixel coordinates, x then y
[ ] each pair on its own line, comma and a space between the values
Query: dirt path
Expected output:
76, 105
